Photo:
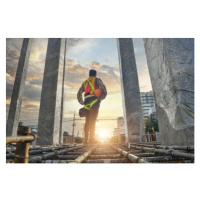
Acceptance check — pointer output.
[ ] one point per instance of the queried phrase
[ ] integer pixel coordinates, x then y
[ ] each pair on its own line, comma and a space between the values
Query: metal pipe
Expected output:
104, 153
74, 153
67, 157
187, 148
145, 154
122, 160
130, 156
22, 144
169, 152
46, 149
55, 161
105, 156
161, 159
152, 142
10, 156
53, 154
33, 152
81, 158
20, 139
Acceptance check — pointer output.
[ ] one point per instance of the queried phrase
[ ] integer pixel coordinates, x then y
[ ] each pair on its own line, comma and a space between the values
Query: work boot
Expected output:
85, 142
93, 141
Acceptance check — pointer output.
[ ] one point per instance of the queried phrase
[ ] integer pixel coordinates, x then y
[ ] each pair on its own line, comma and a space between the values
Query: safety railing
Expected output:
23, 141
152, 136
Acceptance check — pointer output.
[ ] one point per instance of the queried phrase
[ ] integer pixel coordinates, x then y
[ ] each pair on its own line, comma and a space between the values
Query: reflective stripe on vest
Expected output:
88, 106
91, 81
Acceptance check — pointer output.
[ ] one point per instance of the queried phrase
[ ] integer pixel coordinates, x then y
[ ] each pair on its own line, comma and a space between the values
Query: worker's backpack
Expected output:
82, 112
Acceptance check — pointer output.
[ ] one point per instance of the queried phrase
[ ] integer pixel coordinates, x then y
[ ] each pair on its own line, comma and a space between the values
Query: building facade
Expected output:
148, 103
120, 127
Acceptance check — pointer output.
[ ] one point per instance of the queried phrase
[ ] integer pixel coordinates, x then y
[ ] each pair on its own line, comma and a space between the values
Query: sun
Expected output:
103, 134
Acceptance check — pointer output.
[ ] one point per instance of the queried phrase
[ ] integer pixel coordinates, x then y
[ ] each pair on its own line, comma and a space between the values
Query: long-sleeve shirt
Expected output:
99, 85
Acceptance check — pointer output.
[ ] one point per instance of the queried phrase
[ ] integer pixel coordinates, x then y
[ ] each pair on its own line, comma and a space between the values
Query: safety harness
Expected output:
92, 94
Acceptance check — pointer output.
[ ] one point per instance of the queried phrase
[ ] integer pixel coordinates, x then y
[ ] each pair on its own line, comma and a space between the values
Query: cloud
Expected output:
76, 74
72, 42
12, 60
94, 64
70, 62
31, 92
38, 50
8, 101
37, 58
10, 72
30, 104
36, 81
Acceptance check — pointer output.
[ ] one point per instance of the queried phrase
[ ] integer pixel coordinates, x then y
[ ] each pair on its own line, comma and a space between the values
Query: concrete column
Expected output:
50, 103
130, 86
18, 88
171, 68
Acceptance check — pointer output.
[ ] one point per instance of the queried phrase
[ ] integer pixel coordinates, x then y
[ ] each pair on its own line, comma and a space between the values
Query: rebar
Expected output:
169, 152
52, 154
81, 158
187, 148
105, 156
67, 157
161, 159
55, 161
130, 156
145, 154
122, 160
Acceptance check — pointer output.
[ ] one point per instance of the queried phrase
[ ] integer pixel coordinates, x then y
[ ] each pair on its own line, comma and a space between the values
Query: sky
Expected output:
82, 55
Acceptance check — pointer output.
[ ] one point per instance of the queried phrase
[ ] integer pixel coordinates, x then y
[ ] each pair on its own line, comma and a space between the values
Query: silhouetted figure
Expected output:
95, 92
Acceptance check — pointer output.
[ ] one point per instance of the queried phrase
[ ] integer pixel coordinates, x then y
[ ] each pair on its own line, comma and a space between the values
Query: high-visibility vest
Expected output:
89, 85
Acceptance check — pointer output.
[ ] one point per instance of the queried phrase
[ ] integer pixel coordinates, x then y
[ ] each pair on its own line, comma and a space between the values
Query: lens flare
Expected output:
103, 134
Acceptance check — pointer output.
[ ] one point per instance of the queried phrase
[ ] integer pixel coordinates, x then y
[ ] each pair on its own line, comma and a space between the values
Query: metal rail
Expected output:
20, 139
81, 158
130, 156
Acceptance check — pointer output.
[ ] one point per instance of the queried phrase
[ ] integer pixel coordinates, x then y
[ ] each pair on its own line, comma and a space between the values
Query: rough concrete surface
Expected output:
133, 106
18, 89
171, 68
49, 114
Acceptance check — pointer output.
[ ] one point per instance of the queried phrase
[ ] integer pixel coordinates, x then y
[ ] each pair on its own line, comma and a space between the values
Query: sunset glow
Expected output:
103, 134
82, 55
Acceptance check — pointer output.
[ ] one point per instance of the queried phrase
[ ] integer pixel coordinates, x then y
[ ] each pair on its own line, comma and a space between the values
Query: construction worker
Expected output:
95, 92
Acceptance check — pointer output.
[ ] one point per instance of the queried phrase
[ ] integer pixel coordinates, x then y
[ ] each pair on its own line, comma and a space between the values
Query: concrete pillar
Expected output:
50, 103
171, 68
18, 88
130, 87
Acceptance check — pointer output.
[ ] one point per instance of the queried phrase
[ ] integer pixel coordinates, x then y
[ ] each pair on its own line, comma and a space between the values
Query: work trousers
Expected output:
91, 116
